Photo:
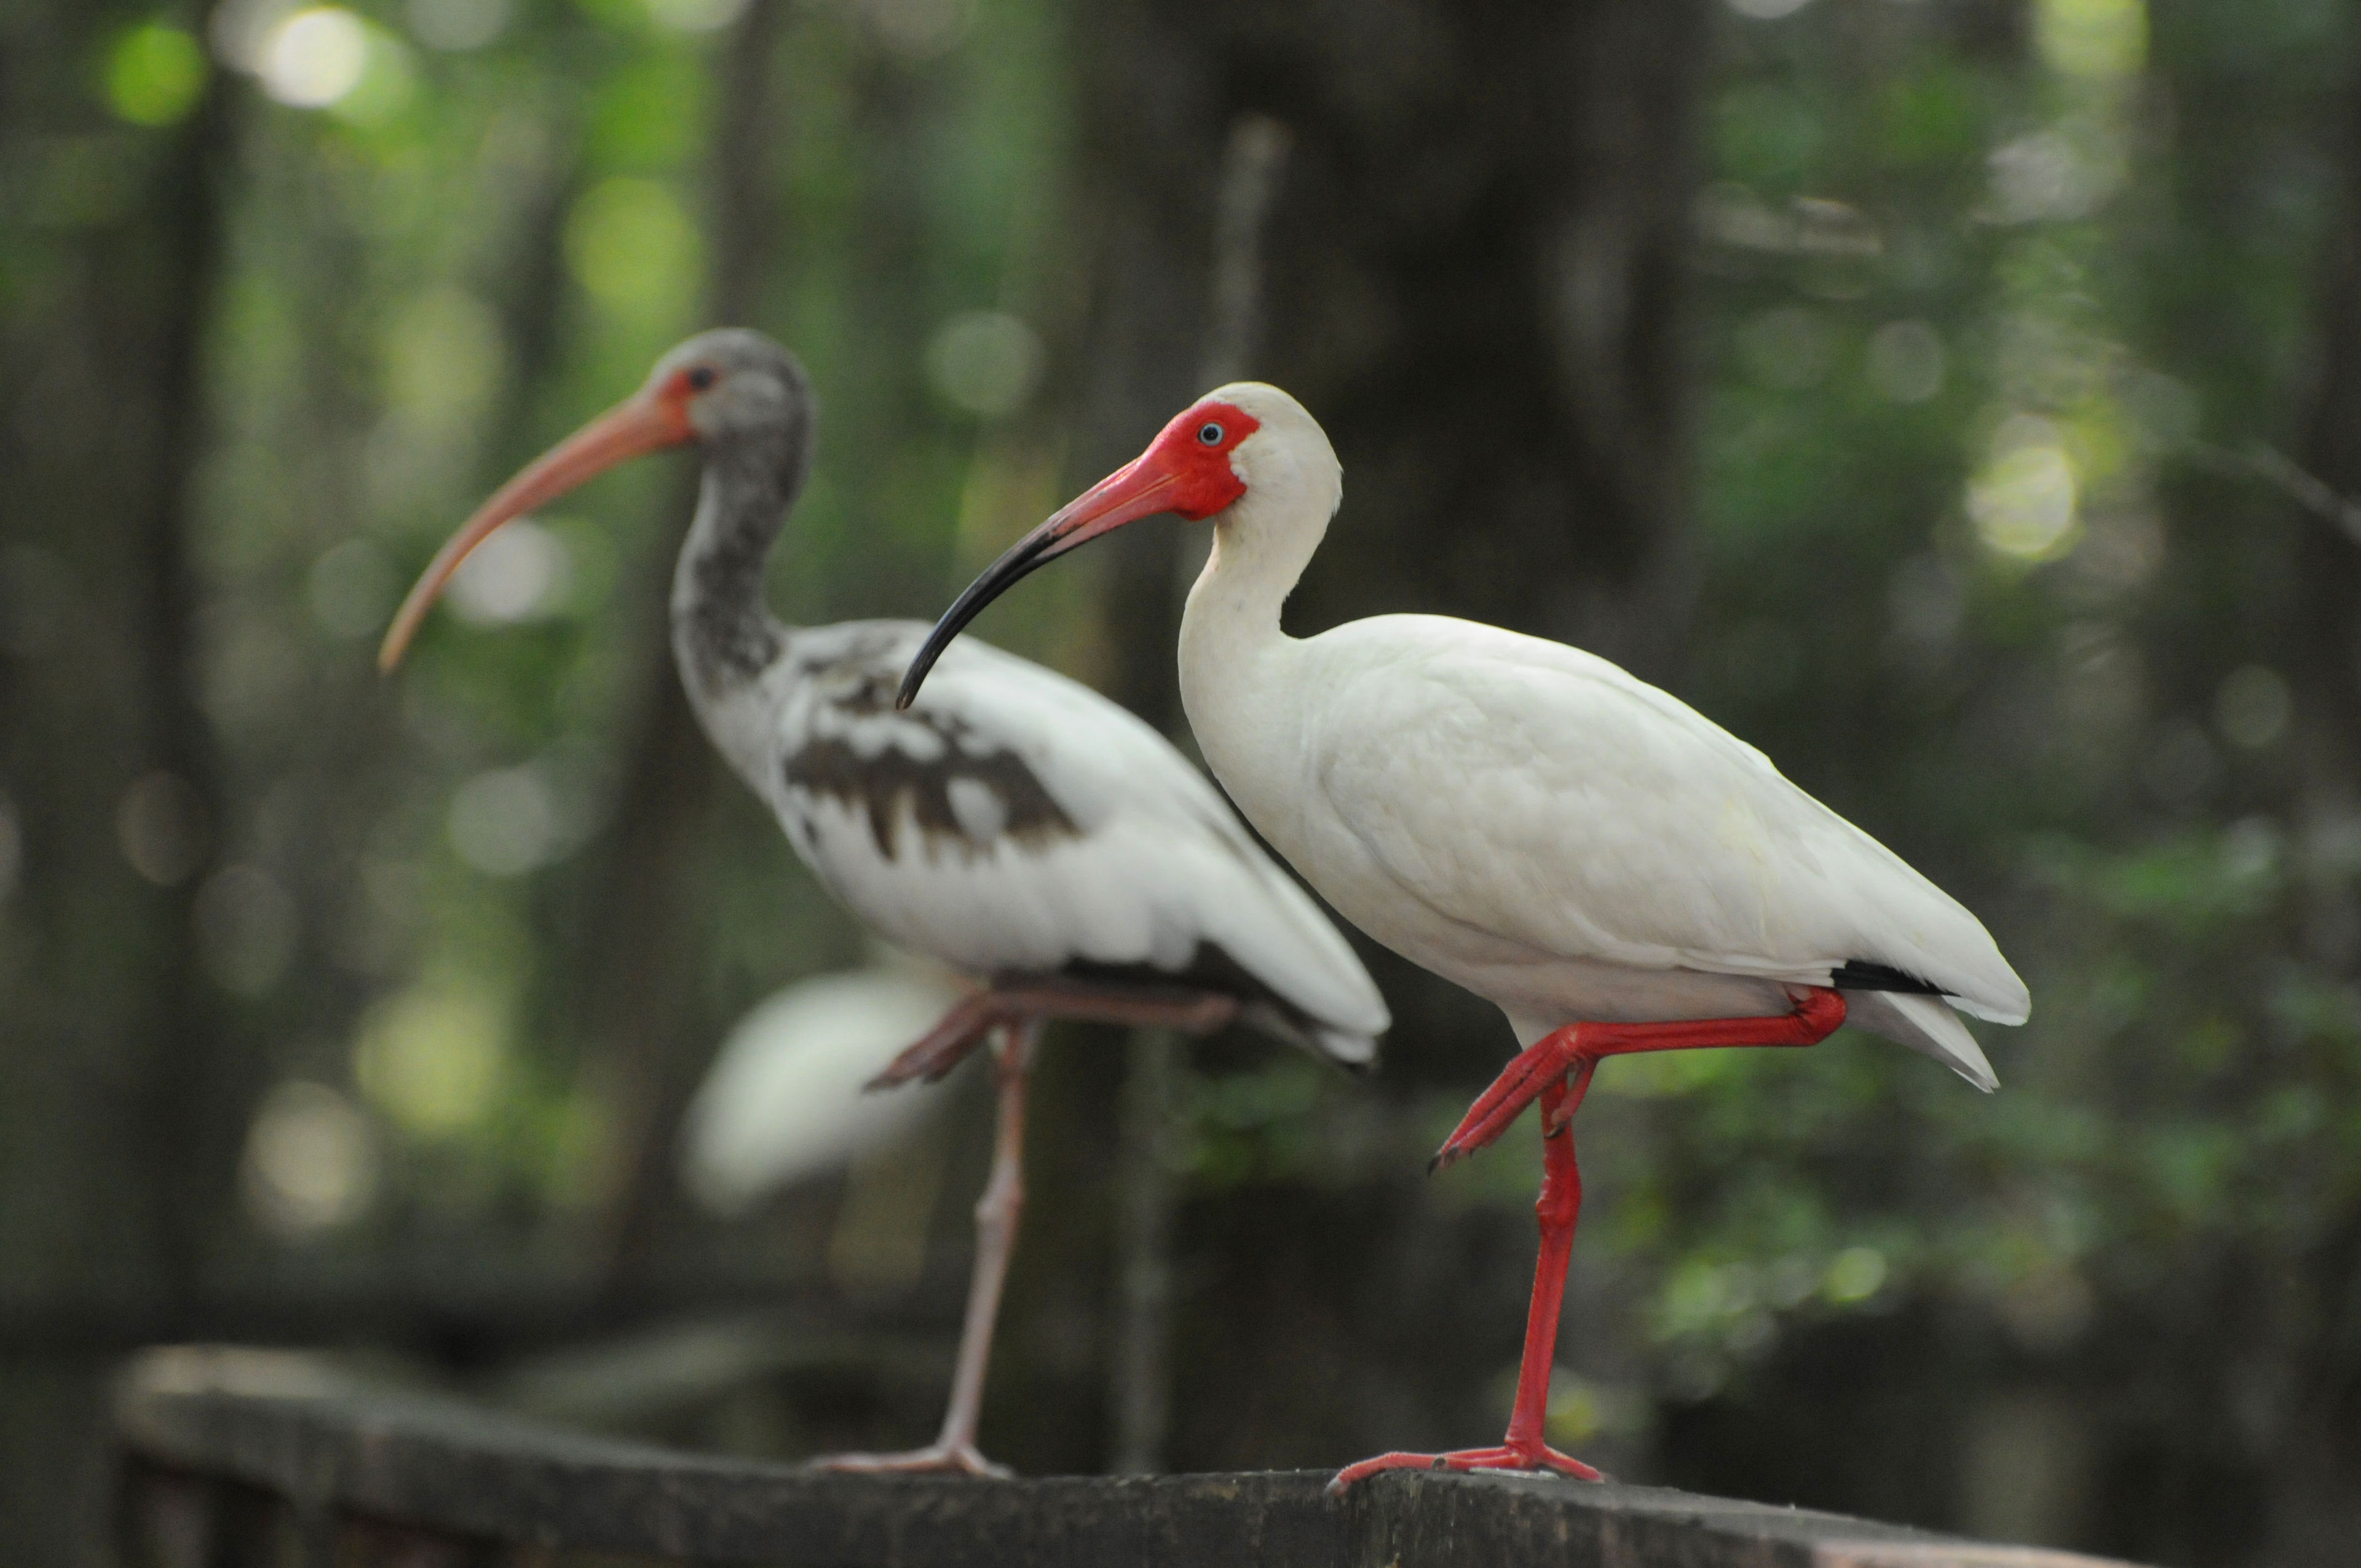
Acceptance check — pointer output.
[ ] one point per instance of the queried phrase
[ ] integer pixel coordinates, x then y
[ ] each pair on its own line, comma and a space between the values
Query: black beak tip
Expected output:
912, 678
1020, 560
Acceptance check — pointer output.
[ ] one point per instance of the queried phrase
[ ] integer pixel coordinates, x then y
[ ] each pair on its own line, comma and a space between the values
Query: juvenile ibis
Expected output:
1016, 826
1613, 870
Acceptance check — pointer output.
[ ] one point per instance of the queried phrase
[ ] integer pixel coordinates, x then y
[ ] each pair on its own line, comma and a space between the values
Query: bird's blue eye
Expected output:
1209, 433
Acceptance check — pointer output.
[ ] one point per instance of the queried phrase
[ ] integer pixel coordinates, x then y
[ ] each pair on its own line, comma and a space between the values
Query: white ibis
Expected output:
1016, 826
1613, 870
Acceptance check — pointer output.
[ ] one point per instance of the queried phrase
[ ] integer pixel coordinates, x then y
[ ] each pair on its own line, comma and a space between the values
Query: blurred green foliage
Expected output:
1980, 296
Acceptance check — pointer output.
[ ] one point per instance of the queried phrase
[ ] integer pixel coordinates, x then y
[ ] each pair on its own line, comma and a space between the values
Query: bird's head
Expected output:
1240, 441
720, 388
733, 384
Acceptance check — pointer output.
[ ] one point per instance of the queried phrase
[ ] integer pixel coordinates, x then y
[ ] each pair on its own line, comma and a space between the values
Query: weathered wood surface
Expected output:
235, 1458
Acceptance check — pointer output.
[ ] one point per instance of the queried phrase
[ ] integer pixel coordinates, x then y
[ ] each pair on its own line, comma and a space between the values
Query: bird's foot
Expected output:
936, 1459
1538, 1458
1546, 1061
946, 1044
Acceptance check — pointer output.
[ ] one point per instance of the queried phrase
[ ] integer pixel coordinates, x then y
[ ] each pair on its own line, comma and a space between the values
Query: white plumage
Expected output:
1064, 835
1535, 824
1614, 870
1016, 827
784, 1098
1532, 822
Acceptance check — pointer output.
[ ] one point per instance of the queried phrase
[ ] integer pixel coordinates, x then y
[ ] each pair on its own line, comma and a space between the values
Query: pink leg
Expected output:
1015, 1009
996, 1214
1560, 1202
1021, 1002
942, 1048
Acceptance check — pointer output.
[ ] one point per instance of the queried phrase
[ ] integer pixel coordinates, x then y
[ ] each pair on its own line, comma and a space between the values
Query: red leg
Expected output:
1818, 1012
1557, 1070
1524, 1447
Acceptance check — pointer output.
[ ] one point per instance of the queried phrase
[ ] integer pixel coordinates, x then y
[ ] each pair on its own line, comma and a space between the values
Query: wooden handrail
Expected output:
234, 1457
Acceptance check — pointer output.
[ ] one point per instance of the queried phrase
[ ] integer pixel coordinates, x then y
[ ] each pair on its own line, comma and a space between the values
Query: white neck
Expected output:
1233, 655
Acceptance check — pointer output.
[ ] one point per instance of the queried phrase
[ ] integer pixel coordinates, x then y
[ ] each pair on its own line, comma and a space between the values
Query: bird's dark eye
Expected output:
1209, 433
700, 377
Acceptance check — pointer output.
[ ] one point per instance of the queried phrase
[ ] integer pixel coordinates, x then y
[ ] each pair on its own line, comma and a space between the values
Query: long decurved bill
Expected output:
646, 423
1137, 489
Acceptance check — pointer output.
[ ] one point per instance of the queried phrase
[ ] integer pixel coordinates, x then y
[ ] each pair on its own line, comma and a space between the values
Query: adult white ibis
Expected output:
1611, 869
1016, 827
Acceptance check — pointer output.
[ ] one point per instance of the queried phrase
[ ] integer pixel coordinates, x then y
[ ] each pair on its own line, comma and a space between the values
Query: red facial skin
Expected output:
1181, 472
1205, 481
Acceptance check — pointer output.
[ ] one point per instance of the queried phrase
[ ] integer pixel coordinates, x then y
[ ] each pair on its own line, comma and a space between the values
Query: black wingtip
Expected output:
1863, 974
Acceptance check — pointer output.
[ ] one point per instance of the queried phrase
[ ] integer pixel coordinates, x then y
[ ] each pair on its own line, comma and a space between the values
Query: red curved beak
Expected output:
648, 422
1141, 488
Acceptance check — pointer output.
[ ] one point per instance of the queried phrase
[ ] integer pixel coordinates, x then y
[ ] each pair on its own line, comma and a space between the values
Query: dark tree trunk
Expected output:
2315, 1510
640, 963
119, 1133
191, 1127
1471, 274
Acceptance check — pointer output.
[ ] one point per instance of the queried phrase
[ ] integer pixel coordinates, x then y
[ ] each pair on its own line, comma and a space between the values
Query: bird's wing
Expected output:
1528, 789
784, 1097
1016, 821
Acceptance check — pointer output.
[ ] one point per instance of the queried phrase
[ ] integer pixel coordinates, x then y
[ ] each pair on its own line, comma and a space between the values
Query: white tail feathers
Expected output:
1925, 1023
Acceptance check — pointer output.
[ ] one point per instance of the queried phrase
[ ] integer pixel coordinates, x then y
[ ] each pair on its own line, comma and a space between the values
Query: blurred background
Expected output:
1959, 399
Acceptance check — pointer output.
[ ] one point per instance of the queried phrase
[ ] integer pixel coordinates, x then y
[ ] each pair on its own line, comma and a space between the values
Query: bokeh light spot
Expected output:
2023, 501
1855, 1274
446, 357
433, 1058
633, 247
350, 591
315, 58
155, 74
1907, 361
457, 26
162, 826
987, 362
2253, 706
696, 15
504, 822
2049, 174
519, 574
918, 30
310, 1161
2093, 39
